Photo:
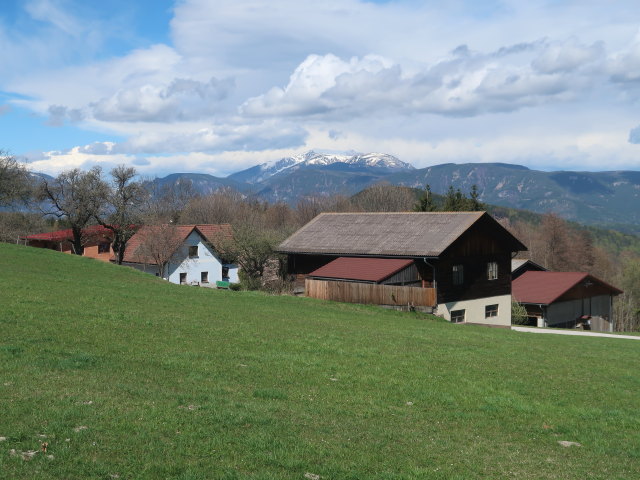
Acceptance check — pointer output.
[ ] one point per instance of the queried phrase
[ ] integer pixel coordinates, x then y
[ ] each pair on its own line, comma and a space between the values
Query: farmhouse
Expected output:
566, 299
457, 263
183, 254
96, 240
522, 265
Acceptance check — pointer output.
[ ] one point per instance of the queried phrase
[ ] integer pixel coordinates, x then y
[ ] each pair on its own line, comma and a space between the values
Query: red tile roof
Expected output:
62, 235
361, 268
210, 232
546, 287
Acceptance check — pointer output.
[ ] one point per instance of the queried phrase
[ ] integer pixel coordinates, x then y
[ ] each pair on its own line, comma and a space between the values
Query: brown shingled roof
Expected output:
417, 234
212, 233
360, 268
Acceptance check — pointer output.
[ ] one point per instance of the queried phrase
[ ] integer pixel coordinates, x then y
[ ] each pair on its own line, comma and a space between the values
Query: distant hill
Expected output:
608, 199
597, 198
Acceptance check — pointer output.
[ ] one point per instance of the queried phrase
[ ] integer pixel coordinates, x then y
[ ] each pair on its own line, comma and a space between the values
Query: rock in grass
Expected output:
566, 443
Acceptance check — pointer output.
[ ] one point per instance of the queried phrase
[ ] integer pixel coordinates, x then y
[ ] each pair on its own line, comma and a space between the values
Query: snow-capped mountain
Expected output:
378, 161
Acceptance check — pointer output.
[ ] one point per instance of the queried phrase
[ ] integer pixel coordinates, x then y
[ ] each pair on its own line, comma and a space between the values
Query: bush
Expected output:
518, 314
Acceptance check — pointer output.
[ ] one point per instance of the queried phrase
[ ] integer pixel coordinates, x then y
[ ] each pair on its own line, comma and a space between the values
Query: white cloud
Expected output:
183, 99
559, 57
48, 11
252, 79
467, 83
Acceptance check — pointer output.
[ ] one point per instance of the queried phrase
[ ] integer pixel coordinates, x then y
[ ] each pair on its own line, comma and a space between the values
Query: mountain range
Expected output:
610, 199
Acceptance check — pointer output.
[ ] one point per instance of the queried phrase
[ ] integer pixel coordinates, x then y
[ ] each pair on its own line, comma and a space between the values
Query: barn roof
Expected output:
211, 233
360, 268
517, 263
410, 234
546, 287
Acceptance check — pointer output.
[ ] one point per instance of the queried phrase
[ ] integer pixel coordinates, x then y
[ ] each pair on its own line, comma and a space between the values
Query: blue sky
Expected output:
216, 86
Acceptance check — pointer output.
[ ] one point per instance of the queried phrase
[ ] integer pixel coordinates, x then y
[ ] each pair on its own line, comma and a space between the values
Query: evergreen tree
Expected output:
475, 205
425, 204
450, 204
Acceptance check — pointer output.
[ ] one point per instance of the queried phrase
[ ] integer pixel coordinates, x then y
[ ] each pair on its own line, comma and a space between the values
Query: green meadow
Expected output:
125, 376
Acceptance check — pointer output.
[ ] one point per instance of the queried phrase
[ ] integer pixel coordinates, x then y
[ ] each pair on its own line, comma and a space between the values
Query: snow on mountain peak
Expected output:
311, 158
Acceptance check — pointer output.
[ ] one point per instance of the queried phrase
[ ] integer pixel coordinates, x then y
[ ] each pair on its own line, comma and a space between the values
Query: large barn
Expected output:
464, 257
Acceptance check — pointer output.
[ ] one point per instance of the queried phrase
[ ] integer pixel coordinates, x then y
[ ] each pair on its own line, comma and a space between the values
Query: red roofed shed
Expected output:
388, 271
96, 239
566, 299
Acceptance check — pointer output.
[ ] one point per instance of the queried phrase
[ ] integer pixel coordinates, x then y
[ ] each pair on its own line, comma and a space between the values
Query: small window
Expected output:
193, 251
492, 270
225, 273
457, 316
204, 277
103, 248
491, 311
183, 278
458, 274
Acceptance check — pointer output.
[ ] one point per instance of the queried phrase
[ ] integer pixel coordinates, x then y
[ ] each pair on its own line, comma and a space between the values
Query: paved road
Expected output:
557, 331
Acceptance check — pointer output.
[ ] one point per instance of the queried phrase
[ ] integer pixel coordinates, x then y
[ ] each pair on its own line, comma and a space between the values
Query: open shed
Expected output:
566, 300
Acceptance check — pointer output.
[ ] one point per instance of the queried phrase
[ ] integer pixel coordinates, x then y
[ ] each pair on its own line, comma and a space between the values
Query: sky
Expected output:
217, 86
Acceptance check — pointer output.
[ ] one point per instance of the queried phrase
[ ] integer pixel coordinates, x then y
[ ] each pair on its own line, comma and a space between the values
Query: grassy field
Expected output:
126, 376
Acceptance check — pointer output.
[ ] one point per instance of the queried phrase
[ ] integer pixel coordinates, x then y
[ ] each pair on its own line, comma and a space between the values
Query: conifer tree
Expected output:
425, 204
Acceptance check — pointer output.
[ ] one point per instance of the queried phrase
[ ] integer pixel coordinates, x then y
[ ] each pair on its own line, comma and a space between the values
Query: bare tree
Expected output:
555, 234
76, 196
160, 245
167, 202
15, 183
253, 249
385, 198
222, 206
123, 209
14, 225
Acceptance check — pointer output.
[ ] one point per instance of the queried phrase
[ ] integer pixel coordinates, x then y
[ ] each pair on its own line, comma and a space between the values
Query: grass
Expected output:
126, 376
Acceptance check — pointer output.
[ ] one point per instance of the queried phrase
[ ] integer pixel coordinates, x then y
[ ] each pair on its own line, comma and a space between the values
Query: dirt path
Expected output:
557, 331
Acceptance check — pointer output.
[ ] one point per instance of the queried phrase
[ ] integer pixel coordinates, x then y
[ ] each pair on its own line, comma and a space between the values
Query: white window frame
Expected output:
458, 316
492, 271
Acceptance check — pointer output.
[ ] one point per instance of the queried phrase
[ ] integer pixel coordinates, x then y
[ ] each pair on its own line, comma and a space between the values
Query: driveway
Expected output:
557, 331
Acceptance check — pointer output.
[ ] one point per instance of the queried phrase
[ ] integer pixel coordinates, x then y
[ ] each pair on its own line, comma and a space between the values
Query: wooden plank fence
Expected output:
368, 293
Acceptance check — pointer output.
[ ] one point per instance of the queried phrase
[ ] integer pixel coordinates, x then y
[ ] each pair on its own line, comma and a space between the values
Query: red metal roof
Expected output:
361, 268
62, 235
546, 287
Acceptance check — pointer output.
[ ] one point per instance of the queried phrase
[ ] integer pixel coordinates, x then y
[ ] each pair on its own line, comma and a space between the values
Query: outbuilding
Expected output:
566, 300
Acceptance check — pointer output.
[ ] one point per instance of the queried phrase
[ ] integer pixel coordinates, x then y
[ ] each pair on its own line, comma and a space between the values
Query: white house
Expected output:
187, 252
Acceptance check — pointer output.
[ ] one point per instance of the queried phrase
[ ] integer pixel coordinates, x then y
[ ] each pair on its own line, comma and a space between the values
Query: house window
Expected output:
225, 273
193, 251
458, 274
183, 278
204, 277
491, 311
457, 316
492, 270
103, 248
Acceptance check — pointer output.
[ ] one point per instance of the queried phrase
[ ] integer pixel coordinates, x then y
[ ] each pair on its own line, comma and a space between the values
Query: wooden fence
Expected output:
368, 293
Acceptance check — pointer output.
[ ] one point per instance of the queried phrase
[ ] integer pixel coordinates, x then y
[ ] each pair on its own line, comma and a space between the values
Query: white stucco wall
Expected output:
206, 261
475, 310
